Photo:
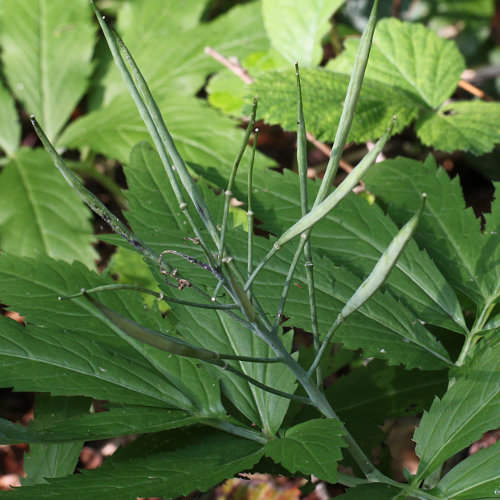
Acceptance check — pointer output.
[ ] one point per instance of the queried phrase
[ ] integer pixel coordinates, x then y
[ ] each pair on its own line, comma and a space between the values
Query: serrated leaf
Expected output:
171, 52
297, 32
166, 469
40, 213
104, 425
466, 125
477, 476
409, 57
57, 459
43, 39
323, 94
313, 447
10, 129
448, 231
202, 134
469, 408
354, 235
63, 363
374, 492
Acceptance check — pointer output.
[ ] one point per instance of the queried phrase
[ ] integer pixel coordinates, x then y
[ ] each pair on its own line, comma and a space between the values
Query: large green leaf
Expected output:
40, 40
202, 134
40, 213
354, 235
478, 476
469, 408
448, 231
56, 459
169, 47
383, 327
115, 422
63, 363
158, 465
411, 57
323, 94
373, 492
10, 130
466, 125
313, 447
296, 31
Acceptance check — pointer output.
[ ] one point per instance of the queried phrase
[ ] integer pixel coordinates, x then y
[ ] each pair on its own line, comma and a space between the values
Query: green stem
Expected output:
236, 430
250, 212
228, 193
324, 344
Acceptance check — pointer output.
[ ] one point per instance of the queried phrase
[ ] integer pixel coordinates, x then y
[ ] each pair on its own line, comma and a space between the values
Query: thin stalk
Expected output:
164, 134
228, 193
146, 110
158, 295
304, 203
219, 285
352, 96
236, 430
260, 385
322, 210
250, 213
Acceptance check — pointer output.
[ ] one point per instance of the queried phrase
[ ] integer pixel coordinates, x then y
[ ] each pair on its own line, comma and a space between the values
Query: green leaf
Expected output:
469, 408
323, 94
40, 213
373, 492
312, 447
104, 425
171, 52
63, 363
448, 231
202, 135
466, 125
43, 39
10, 129
159, 465
53, 460
354, 235
296, 31
409, 57
477, 476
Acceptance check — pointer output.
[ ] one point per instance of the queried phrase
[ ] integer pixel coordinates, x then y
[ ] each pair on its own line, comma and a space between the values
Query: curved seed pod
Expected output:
321, 210
384, 265
152, 337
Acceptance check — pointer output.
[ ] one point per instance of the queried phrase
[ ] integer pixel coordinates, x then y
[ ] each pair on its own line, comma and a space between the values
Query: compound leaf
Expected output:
297, 32
43, 39
171, 466
478, 476
448, 231
468, 409
40, 213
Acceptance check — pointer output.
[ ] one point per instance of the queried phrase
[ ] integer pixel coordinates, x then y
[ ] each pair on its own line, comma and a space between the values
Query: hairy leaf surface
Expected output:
469, 408
42, 39
40, 213
158, 465
312, 447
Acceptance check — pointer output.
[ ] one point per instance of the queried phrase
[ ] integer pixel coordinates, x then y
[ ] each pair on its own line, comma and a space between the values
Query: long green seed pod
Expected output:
375, 279
351, 99
320, 211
